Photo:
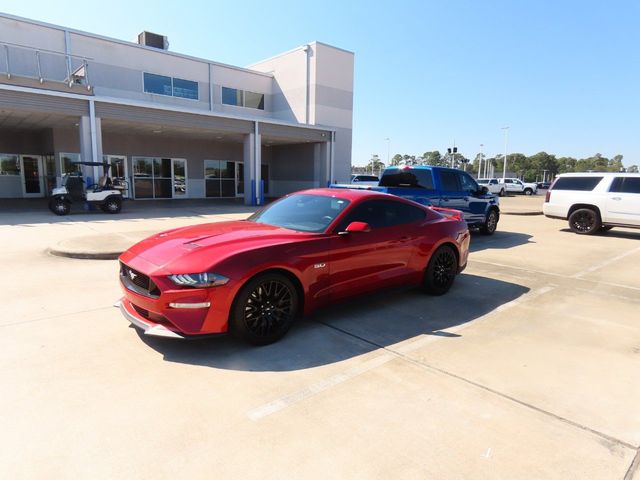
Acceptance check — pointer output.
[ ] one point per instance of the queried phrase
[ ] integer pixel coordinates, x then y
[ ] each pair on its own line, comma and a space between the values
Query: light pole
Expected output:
480, 175
388, 150
506, 142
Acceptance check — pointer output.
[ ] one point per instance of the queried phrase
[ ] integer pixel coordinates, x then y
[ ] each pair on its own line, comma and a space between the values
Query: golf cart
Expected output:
105, 194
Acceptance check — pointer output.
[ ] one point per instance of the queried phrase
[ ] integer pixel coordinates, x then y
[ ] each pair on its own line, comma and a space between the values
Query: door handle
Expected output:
616, 198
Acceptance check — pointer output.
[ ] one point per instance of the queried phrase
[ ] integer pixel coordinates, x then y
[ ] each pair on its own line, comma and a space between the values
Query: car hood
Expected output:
200, 246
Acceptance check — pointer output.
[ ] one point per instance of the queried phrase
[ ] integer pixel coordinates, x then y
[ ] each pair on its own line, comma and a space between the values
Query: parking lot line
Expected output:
605, 263
401, 351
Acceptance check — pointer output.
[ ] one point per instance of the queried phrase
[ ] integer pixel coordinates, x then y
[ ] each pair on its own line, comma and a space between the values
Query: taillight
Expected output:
547, 197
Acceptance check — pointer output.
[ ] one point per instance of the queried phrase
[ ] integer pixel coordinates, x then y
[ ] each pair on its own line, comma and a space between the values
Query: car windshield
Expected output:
302, 212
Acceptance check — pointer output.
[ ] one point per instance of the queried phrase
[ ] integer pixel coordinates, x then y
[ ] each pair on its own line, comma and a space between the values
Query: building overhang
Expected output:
35, 106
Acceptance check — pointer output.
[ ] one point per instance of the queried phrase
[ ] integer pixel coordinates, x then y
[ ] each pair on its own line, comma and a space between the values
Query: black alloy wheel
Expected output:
441, 271
265, 309
491, 224
584, 221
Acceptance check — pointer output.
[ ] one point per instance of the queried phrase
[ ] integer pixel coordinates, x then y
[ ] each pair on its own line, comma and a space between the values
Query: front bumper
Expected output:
148, 327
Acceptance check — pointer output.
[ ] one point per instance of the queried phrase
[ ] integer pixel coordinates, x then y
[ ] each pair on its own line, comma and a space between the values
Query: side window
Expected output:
450, 181
616, 185
414, 178
468, 184
508, 180
583, 184
425, 179
494, 182
382, 213
630, 185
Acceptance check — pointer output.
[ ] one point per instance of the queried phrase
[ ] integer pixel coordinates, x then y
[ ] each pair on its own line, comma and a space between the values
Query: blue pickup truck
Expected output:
446, 188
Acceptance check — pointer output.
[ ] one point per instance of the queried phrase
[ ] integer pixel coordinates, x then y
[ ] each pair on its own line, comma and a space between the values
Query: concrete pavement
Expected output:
529, 368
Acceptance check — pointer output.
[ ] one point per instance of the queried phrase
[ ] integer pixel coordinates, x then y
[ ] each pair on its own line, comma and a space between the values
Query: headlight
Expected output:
199, 280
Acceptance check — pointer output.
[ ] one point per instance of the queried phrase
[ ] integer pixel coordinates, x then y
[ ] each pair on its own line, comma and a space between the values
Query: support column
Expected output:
249, 168
258, 164
91, 142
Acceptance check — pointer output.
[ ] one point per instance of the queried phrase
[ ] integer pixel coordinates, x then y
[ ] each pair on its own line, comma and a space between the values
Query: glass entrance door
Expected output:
179, 176
32, 176
119, 172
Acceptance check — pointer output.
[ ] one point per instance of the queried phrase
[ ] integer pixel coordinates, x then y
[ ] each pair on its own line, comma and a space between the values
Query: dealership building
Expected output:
170, 125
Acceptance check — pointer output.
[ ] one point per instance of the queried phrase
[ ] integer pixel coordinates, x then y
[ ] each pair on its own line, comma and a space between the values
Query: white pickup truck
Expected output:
515, 185
493, 185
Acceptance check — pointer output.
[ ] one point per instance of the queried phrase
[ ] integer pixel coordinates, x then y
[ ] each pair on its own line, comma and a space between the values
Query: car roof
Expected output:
597, 174
351, 194
421, 167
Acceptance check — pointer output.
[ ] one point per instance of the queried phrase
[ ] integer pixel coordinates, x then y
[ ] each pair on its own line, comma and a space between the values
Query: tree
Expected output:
375, 165
432, 158
396, 160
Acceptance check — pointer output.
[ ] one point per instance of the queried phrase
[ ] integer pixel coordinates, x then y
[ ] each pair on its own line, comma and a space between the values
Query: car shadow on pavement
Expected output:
351, 329
499, 240
615, 233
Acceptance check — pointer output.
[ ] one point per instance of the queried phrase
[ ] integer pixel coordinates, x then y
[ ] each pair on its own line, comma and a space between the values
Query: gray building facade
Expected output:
171, 126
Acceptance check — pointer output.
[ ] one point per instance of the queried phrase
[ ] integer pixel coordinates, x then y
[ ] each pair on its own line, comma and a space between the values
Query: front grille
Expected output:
138, 282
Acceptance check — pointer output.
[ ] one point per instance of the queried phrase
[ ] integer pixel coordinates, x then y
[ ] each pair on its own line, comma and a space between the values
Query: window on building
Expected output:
242, 98
176, 87
152, 177
231, 96
185, 88
254, 100
220, 178
9, 164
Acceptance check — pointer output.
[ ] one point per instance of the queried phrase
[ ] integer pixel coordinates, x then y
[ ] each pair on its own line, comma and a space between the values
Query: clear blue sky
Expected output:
564, 75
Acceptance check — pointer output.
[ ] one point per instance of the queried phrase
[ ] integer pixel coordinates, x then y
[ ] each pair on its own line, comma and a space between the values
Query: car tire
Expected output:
441, 271
491, 223
584, 221
264, 309
501, 194
528, 191
112, 205
59, 206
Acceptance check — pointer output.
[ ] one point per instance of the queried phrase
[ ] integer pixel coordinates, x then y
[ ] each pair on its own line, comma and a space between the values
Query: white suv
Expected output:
595, 202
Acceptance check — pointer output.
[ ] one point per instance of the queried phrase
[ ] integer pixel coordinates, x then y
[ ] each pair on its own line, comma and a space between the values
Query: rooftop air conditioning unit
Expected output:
153, 40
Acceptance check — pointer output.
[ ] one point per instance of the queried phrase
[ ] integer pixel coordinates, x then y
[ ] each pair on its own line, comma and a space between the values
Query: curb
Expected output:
84, 255
530, 214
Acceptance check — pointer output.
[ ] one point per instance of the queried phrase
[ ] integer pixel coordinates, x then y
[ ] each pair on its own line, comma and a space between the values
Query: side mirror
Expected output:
356, 227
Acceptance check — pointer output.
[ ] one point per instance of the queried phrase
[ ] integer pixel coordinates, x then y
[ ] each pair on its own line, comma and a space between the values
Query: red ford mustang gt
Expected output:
254, 277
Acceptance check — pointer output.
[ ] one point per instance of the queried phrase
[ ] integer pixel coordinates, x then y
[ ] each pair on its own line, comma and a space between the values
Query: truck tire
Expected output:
528, 191
491, 223
585, 221
501, 194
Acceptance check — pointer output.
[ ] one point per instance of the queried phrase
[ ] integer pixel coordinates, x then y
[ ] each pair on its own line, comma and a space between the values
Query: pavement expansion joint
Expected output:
634, 467
425, 365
